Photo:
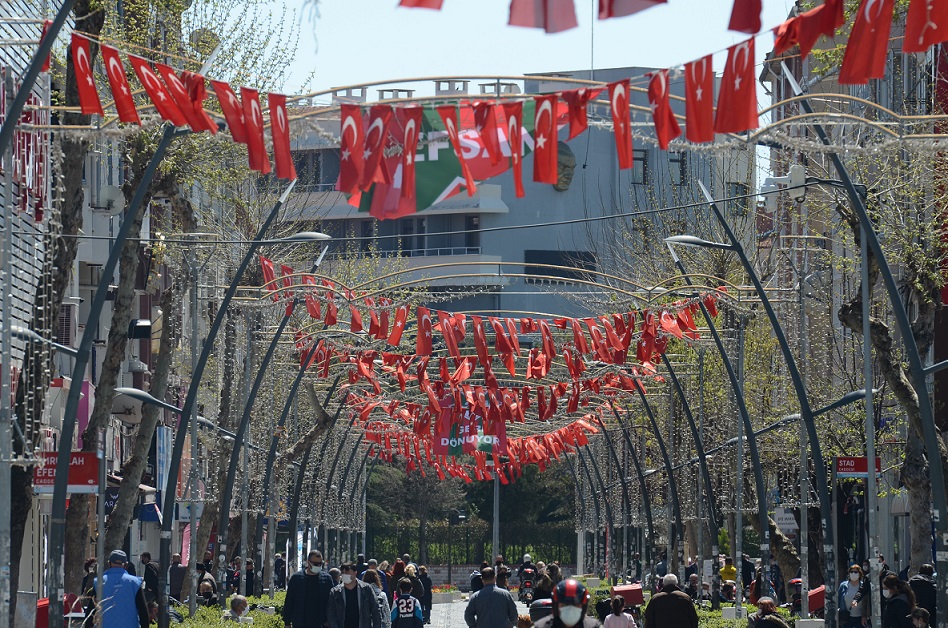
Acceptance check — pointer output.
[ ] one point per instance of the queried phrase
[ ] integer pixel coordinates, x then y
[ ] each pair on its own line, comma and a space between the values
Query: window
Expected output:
737, 206
472, 239
574, 263
677, 168
367, 231
639, 166
406, 229
317, 170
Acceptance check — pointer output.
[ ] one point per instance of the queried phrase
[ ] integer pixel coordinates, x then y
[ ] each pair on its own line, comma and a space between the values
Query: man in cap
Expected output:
123, 597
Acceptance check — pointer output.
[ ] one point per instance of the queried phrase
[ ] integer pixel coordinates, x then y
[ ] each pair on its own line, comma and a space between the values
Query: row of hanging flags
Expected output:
464, 417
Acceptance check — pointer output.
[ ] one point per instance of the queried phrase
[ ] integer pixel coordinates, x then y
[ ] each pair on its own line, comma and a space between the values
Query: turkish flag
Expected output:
787, 35
737, 103
423, 340
811, 25
745, 16
312, 305
233, 111
699, 101
82, 64
269, 276
868, 45
410, 120
621, 121
355, 319
449, 116
544, 155
925, 25
422, 4
666, 126
253, 117
485, 123
552, 16
197, 92
833, 16
179, 93
331, 312
374, 170
350, 145
401, 317
121, 93
46, 25
621, 8
514, 112
578, 99
158, 93
280, 132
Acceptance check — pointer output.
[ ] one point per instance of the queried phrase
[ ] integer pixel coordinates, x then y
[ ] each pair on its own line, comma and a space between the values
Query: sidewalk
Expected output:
452, 615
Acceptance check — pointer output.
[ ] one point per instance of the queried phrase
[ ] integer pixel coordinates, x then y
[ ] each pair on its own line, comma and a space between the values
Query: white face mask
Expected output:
887, 593
346, 578
854, 577
315, 569
245, 612
570, 615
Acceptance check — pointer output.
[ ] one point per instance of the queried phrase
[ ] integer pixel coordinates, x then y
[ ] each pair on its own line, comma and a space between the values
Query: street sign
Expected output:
83, 473
855, 466
787, 522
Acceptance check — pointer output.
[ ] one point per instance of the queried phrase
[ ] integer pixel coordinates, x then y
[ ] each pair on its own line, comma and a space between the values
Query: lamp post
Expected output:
455, 517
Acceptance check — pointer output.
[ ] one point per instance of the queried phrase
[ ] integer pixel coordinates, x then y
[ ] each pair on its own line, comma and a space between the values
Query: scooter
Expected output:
527, 578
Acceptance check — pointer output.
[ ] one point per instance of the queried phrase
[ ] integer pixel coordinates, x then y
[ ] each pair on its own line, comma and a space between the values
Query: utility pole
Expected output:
6, 372
871, 490
193, 480
739, 515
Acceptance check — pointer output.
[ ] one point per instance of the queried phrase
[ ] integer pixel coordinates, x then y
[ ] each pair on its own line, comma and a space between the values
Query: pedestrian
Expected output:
661, 567
619, 618
499, 563
89, 578
250, 578
728, 571
150, 575
757, 590
371, 578
398, 570
491, 607
239, 607
279, 571
427, 598
417, 589
853, 601
900, 601
307, 594
671, 607
208, 561
407, 611
123, 599
923, 586
766, 615
920, 618
544, 588
361, 565
206, 594
693, 588
476, 582
556, 574
233, 575
570, 607
747, 570
176, 575
353, 604
501, 581
204, 576
374, 566
636, 568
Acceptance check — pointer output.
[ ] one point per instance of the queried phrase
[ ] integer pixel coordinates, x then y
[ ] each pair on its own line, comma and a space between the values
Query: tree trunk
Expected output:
914, 474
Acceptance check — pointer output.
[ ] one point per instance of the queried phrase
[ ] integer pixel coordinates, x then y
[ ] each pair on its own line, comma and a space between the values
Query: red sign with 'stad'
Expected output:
83, 473
855, 466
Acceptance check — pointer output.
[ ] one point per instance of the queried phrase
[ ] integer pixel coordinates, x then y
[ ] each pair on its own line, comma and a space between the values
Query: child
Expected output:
619, 618
406, 610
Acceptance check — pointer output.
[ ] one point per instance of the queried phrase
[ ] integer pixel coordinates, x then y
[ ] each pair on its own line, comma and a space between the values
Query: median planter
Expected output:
445, 597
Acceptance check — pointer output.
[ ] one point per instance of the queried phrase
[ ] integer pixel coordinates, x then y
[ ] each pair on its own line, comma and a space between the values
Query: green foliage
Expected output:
211, 616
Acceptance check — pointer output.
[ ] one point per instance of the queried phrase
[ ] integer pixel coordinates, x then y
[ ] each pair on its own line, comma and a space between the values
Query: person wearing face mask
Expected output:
491, 607
570, 604
352, 603
307, 595
239, 607
853, 602
900, 601
923, 586
766, 615
671, 608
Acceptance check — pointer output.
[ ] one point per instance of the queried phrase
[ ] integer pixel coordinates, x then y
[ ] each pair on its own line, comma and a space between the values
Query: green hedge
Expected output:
212, 616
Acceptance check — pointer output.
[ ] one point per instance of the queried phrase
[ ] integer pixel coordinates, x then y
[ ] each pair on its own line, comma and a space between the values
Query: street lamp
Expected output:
455, 517
24, 333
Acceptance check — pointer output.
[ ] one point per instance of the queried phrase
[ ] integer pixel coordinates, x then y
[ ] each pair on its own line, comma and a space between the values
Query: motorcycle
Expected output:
527, 578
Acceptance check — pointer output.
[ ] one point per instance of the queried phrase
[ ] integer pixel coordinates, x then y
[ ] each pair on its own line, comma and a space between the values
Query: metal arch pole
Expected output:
916, 367
12, 118
643, 486
345, 474
67, 433
672, 484
806, 413
342, 444
190, 401
586, 472
622, 480
610, 520
580, 546
223, 522
582, 505
293, 558
748, 427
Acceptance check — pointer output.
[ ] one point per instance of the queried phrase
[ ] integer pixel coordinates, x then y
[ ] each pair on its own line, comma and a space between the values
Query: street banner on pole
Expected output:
854, 466
83, 473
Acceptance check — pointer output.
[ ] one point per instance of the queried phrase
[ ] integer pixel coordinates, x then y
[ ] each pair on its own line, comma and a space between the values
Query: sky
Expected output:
358, 41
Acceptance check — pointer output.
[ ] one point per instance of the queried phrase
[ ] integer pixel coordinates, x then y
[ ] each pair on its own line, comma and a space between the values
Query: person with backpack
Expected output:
406, 610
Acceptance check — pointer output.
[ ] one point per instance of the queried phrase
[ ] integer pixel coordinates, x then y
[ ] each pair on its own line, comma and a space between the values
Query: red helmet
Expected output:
570, 592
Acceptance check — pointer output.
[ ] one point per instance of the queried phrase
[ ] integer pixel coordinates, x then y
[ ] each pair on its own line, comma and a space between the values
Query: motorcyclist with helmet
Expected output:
570, 603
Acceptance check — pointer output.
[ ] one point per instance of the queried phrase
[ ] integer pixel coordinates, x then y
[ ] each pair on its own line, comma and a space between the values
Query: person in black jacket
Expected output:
307, 594
923, 586
900, 602
150, 574
477, 583
427, 598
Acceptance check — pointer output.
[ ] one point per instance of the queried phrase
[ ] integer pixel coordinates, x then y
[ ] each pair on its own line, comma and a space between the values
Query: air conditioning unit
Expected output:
135, 366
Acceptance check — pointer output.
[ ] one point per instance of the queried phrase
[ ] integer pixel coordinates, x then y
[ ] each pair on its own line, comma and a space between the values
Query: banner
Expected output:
83, 473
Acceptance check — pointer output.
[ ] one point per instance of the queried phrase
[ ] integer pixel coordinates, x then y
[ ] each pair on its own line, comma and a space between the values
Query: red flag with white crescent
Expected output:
233, 111
179, 93
280, 132
786, 35
666, 126
401, 317
197, 93
833, 16
46, 25
745, 16
410, 120
253, 117
449, 116
485, 123
621, 121
269, 276
82, 64
621, 8
578, 99
552, 16
699, 101
868, 46
925, 25
545, 151
423, 340
312, 305
373, 152
514, 113
158, 93
351, 162
737, 103
121, 93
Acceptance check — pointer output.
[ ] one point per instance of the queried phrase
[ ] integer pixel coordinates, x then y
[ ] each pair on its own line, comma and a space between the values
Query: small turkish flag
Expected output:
351, 162
925, 25
179, 93
868, 45
157, 92
46, 25
374, 170
666, 126
312, 305
737, 103
485, 123
833, 16
423, 340
699, 101
355, 319
81, 62
121, 93
449, 116
577, 99
197, 93
422, 4
269, 276
410, 120
812, 24
233, 111
401, 317
552, 16
621, 8
621, 121
544, 154
787, 35
280, 132
514, 112
745, 16
256, 150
